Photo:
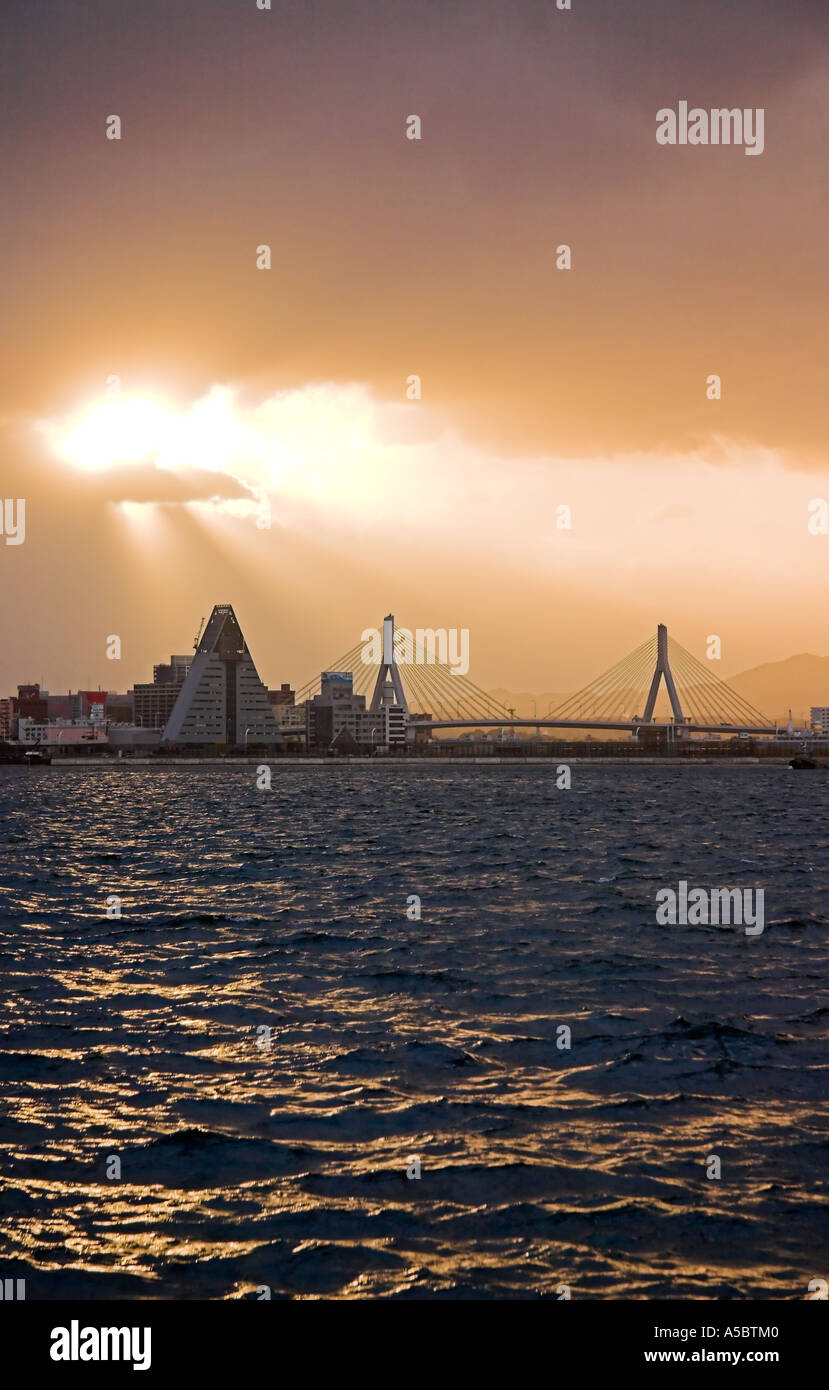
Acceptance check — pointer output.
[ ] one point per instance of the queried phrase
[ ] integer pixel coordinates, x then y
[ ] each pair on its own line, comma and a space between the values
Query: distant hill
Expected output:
796, 683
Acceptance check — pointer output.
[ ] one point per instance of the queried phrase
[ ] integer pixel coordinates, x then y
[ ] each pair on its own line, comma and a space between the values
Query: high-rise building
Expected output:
173, 672
222, 699
154, 703
820, 718
8, 718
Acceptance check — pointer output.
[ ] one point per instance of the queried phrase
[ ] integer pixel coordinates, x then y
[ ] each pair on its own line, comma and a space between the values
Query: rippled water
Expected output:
243, 1167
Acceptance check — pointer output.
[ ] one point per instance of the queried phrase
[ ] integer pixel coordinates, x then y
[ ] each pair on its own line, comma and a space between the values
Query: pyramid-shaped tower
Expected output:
222, 699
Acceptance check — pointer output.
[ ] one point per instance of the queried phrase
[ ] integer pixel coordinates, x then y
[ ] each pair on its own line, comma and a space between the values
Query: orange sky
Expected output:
391, 257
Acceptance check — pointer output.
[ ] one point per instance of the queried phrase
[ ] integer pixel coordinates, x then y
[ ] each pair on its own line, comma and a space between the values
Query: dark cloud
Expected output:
146, 483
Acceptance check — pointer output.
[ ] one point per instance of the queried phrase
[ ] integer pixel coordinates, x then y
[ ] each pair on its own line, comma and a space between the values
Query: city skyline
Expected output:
161, 704
811, 668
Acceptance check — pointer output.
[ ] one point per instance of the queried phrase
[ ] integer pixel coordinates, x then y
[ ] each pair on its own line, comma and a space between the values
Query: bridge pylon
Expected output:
388, 674
662, 668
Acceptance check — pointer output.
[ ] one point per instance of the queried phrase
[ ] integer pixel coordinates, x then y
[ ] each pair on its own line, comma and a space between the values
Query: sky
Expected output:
279, 395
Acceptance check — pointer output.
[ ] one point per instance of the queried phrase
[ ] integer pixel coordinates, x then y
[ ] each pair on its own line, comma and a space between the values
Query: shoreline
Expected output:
115, 764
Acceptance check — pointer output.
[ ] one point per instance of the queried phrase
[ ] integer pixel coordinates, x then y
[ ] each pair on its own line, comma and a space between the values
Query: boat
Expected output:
35, 758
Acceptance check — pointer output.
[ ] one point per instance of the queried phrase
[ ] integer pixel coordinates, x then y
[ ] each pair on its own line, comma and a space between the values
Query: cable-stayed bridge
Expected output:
659, 687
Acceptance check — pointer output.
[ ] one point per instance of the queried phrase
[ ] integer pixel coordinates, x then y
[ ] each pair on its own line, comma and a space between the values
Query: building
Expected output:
125, 737
120, 709
60, 707
153, 703
389, 719
291, 722
289, 716
8, 718
222, 700
61, 735
284, 696
820, 718
420, 735
173, 672
90, 704
31, 704
336, 712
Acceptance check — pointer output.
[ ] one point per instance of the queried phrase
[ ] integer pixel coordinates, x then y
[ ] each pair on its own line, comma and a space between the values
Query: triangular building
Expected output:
222, 699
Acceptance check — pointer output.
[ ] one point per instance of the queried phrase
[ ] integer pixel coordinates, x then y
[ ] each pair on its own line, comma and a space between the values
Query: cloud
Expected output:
150, 484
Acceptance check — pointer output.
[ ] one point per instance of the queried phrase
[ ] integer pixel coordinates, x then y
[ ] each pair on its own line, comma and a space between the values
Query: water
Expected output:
243, 1167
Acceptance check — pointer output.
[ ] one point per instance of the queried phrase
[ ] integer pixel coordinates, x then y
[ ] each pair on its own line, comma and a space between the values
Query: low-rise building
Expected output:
124, 736
120, 709
61, 735
60, 707
90, 704
283, 696
336, 711
420, 735
291, 722
31, 704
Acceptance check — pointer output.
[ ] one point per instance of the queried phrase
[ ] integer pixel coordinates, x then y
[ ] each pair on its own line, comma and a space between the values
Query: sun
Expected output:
115, 433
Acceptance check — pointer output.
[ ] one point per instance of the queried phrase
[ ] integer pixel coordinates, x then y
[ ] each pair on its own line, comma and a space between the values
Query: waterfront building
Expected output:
389, 718
119, 708
222, 699
335, 711
154, 703
31, 704
291, 722
90, 704
8, 718
60, 707
420, 735
61, 734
